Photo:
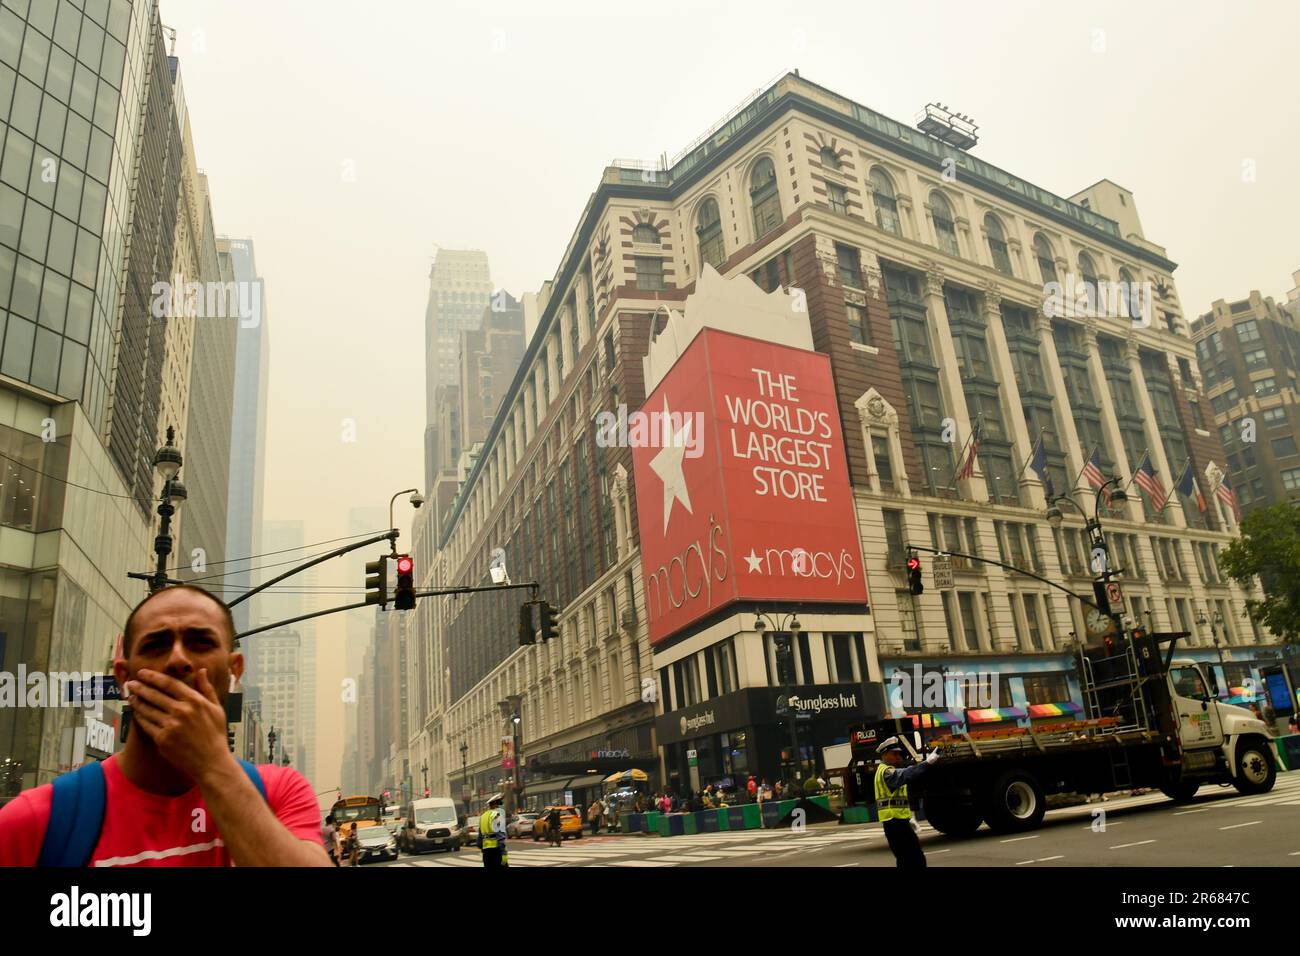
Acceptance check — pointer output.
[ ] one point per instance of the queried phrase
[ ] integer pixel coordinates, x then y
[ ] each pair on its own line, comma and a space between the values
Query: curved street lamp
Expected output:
167, 460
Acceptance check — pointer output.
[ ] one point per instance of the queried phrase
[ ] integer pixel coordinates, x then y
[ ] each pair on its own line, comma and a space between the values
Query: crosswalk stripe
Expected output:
637, 863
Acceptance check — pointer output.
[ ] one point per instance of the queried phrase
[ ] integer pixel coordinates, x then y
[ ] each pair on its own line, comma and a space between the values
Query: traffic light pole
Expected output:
351, 607
386, 536
1008, 567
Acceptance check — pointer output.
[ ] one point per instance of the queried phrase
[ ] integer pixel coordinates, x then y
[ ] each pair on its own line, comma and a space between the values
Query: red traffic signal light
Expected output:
914, 564
404, 595
914, 583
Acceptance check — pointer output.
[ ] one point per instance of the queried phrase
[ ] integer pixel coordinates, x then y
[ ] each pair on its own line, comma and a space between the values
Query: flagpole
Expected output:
1173, 488
961, 457
1074, 485
1031, 453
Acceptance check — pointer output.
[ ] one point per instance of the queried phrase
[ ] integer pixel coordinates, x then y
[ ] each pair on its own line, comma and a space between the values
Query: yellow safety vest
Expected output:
485, 830
890, 805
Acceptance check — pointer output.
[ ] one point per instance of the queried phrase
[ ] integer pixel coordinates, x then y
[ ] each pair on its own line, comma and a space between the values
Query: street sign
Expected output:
943, 571
99, 687
1113, 593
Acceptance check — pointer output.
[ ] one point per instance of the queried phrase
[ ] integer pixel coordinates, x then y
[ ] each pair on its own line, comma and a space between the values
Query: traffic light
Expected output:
914, 574
527, 634
404, 596
377, 582
550, 621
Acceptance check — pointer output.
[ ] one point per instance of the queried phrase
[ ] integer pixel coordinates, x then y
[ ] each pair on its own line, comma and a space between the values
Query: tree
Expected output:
1269, 547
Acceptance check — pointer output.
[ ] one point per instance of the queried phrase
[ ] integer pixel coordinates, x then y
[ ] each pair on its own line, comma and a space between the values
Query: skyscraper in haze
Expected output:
247, 430
360, 626
460, 288
282, 545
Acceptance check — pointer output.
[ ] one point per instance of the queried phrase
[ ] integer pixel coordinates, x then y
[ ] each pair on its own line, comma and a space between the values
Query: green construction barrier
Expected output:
858, 815
822, 801
724, 819
652, 822
688, 824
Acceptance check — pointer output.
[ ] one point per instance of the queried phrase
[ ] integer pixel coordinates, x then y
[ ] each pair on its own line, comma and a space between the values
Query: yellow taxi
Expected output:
570, 823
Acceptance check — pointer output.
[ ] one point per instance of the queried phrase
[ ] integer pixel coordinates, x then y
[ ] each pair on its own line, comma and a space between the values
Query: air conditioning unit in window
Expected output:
628, 618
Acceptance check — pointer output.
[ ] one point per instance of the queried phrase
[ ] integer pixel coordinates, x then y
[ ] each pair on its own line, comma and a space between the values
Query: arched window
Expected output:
886, 201
765, 197
997, 244
829, 158
1088, 272
708, 229
945, 230
1046, 258
644, 232
1130, 296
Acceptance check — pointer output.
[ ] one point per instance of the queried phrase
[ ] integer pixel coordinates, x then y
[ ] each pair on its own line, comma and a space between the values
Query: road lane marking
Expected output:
838, 865
1237, 826
1201, 810
932, 852
1125, 846
1018, 839
1109, 824
1042, 859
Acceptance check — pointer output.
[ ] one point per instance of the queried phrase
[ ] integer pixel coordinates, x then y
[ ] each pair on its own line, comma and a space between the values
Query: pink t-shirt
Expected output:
146, 829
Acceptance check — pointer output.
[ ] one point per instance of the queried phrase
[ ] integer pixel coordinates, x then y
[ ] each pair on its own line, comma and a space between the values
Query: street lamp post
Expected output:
417, 500
424, 769
168, 461
464, 775
1099, 563
270, 737
786, 632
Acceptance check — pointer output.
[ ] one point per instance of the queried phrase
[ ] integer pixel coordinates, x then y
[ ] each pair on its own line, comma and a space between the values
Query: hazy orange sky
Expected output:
347, 140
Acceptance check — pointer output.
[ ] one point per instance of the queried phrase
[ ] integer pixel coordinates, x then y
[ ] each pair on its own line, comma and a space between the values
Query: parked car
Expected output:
431, 824
471, 832
521, 825
376, 843
570, 823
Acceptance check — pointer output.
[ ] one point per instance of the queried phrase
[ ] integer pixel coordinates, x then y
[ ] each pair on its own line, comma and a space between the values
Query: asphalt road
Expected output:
1219, 828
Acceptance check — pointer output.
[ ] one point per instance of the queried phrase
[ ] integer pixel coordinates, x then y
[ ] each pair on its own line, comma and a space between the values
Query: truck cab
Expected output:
1219, 742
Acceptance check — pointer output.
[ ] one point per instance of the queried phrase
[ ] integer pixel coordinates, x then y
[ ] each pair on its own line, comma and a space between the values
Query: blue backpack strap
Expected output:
254, 776
76, 814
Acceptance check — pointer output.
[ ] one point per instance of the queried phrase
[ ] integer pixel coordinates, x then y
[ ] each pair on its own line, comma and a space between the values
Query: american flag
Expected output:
1228, 498
972, 448
1187, 487
1092, 471
1146, 479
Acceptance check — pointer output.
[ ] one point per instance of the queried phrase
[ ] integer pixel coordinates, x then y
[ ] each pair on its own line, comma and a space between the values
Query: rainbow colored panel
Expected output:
993, 715
1063, 709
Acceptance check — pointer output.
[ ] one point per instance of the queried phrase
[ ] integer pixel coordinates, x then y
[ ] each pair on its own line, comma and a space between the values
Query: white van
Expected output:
430, 824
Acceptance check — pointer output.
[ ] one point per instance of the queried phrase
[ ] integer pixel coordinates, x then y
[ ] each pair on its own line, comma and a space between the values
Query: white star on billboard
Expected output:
668, 466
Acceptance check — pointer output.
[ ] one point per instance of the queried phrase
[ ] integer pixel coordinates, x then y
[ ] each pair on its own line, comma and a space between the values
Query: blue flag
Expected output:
1038, 462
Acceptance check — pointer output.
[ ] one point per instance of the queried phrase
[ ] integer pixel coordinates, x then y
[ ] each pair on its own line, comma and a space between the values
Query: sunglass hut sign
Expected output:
756, 506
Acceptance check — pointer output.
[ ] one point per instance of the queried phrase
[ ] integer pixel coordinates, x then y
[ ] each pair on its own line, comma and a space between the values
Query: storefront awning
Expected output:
993, 715
946, 718
1061, 709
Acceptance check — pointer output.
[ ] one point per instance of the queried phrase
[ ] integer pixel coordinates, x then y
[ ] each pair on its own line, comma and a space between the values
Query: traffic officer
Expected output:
492, 834
892, 806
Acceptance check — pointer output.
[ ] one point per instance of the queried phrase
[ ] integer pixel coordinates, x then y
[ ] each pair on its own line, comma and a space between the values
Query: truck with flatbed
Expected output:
1150, 721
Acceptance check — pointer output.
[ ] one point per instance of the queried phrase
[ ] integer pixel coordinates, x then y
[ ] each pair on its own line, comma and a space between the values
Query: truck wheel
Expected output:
1255, 770
1015, 803
1182, 791
951, 817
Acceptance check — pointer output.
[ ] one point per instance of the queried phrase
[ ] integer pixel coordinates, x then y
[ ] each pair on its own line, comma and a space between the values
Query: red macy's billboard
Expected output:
742, 486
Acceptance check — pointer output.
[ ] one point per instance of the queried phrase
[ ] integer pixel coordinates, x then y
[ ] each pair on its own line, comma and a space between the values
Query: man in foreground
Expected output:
175, 795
